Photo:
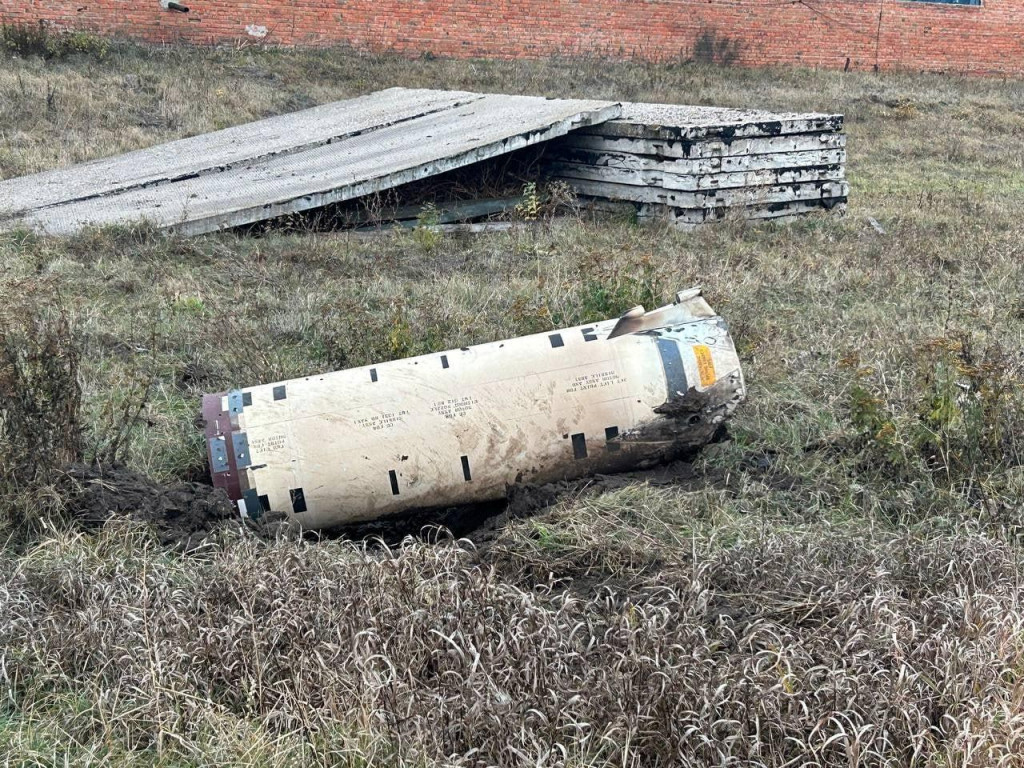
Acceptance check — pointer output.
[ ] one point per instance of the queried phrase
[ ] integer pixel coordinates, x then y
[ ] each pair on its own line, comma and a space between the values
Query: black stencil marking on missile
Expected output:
298, 500
246, 399
556, 340
264, 502
373, 374
579, 446
253, 505
392, 475
444, 361
280, 393
589, 335
610, 433
672, 362
465, 469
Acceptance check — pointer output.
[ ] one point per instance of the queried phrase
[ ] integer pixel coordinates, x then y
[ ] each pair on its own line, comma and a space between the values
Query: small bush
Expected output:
47, 43
961, 420
426, 233
545, 201
529, 209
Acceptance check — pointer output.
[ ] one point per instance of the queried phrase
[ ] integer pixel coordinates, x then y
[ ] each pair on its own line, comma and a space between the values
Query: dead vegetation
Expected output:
829, 646
41, 416
836, 585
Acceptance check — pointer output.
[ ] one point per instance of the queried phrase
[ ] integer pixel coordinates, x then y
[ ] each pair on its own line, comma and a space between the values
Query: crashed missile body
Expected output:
462, 426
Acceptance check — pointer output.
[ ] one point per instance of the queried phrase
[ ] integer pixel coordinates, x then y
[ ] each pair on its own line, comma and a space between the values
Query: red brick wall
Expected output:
861, 34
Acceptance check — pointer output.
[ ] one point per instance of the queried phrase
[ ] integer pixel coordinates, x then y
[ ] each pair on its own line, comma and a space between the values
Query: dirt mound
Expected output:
183, 514
482, 523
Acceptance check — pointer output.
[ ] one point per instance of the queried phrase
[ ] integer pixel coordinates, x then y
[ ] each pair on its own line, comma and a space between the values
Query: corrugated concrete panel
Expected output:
695, 182
712, 198
260, 172
677, 121
711, 147
688, 218
728, 164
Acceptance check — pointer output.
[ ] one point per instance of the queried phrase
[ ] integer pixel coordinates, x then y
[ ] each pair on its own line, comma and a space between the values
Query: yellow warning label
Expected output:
705, 364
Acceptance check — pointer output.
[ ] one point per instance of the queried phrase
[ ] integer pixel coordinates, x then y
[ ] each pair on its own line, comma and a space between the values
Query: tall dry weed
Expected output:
40, 407
833, 648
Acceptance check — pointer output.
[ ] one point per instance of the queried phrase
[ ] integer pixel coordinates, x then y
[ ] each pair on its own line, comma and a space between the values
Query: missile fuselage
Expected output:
462, 426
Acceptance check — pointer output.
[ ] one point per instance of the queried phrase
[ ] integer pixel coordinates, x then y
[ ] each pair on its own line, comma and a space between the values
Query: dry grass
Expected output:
838, 586
828, 646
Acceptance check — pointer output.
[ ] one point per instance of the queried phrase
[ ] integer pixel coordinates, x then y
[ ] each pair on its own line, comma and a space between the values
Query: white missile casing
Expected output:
462, 426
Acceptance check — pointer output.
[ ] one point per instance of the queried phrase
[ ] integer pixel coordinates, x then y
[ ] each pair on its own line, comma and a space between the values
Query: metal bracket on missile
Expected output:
219, 455
240, 444
235, 401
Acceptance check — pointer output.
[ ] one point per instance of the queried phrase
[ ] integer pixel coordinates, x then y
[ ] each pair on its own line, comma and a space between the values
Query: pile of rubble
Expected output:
690, 165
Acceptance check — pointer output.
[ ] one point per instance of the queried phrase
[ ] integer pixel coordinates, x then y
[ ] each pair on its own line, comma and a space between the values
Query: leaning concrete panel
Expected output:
223, 150
462, 426
355, 164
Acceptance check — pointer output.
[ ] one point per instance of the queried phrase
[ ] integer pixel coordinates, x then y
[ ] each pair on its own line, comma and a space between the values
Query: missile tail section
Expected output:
461, 426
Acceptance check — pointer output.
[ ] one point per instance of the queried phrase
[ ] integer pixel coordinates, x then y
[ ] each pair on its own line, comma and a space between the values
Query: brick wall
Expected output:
860, 34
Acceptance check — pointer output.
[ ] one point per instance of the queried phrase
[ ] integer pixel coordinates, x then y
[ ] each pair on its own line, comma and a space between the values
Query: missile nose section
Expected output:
462, 426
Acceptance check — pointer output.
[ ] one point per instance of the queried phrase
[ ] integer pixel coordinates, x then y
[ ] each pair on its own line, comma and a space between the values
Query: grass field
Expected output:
838, 584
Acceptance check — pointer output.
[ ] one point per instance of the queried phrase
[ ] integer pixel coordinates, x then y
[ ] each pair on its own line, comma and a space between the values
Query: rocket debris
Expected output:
462, 426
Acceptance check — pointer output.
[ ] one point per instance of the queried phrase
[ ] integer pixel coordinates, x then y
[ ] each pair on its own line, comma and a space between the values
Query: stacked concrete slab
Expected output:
689, 165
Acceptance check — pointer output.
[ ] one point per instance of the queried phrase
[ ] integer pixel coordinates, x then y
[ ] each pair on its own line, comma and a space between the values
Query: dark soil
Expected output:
186, 514
482, 523
183, 515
